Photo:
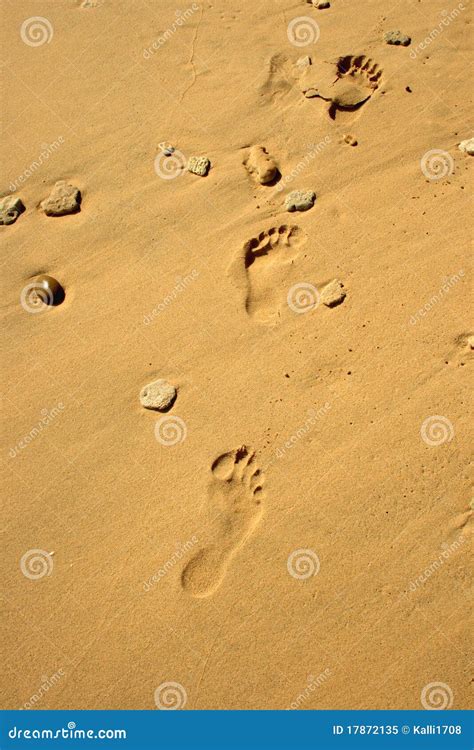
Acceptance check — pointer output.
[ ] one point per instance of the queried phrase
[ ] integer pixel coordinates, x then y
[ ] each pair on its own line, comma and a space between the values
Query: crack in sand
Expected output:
191, 57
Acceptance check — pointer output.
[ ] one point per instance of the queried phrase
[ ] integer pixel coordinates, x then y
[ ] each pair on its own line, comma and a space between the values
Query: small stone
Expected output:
159, 395
396, 37
42, 291
169, 150
304, 62
333, 293
300, 200
63, 199
10, 209
311, 93
321, 4
467, 146
199, 165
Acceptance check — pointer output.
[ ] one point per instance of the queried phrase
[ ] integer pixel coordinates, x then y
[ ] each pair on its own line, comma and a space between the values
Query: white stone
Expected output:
333, 293
63, 199
396, 37
199, 165
304, 62
300, 200
10, 209
158, 395
467, 146
167, 148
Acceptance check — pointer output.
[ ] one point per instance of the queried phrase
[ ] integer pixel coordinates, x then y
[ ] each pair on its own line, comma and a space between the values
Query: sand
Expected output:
294, 532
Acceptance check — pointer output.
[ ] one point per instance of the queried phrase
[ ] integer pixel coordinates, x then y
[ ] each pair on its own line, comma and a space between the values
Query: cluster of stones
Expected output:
63, 199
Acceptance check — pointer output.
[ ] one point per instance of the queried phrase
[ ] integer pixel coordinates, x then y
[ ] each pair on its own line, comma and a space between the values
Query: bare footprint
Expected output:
357, 79
280, 80
360, 69
347, 85
265, 261
235, 494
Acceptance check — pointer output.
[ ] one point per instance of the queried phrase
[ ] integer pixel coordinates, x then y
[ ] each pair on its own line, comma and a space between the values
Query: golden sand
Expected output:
294, 531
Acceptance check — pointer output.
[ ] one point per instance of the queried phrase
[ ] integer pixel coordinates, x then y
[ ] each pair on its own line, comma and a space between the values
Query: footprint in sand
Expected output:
281, 79
345, 85
264, 261
235, 496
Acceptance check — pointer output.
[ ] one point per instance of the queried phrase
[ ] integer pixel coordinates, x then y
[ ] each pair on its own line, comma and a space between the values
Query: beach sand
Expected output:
294, 531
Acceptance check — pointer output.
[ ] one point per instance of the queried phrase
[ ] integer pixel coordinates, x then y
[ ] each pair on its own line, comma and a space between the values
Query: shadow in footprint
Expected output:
346, 86
357, 78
